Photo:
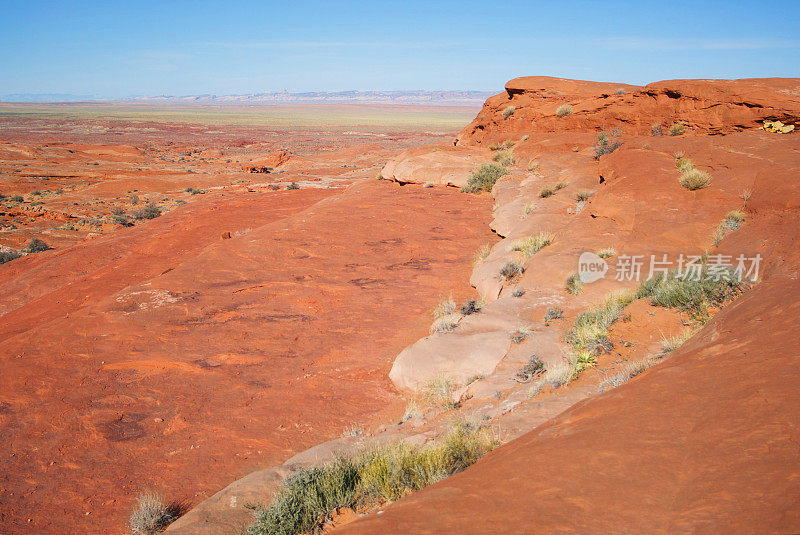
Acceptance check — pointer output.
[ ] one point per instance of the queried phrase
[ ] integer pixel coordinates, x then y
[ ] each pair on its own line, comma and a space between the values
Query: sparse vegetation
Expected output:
446, 306
310, 497
482, 253
441, 393
37, 246
518, 292
519, 335
17, 198
583, 196
470, 306
504, 158
589, 335
533, 368
511, 270
574, 284
529, 207
484, 178
629, 370
692, 293
655, 130
606, 143
606, 252
564, 110
546, 192
533, 244
8, 255
694, 179
677, 129
508, 111
733, 220
151, 211
293, 185
444, 325
684, 164
671, 343
553, 313
194, 191
151, 515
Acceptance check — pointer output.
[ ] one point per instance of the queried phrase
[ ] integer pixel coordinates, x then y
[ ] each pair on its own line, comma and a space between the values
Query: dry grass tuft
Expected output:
694, 179
533, 244
564, 110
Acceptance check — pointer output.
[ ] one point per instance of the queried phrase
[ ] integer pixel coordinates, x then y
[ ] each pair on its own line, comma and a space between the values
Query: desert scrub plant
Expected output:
692, 294
606, 143
444, 325
530, 370
694, 179
677, 129
37, 246
583, 196
511, 270
293, 185
151, 515
564, 110
482, 253
574, 284
518, 292
151, 211
655, 130
518, 336
553, 313
441, 393
504, 158
589, 335
606, 252
560, 185
384, 474
684, 164
529, 207
629, 370
484, 178
17, 198
8, 255
509, 111
470, 306
546, 192
533, 244
446, 306
732, 221
671, 343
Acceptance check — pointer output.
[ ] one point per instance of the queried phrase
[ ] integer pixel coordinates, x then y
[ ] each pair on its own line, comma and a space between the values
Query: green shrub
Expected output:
694, 179
8, 256
574, 284
694, 297
589, 335
553, 313
511, 270
533, 244
37, 246
606, 143
677, 129
564, 110
309, 497
504, 158
151, 211
484, 178
684, 164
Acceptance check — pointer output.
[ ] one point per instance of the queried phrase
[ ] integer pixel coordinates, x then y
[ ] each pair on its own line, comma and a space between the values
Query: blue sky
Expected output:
118, 49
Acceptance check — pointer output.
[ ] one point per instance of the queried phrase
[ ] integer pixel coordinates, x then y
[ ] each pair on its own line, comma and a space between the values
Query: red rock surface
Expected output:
222, 337
705, 441
703, 106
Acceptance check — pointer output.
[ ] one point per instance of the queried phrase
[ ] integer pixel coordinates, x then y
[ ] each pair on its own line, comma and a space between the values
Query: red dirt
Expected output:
219, 338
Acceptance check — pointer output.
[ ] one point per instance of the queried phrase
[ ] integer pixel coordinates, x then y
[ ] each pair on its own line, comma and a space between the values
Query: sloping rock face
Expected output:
702, 106
702, 442
434, 164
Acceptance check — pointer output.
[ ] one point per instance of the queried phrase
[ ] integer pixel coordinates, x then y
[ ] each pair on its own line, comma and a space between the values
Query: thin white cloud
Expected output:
647, 44
322, 44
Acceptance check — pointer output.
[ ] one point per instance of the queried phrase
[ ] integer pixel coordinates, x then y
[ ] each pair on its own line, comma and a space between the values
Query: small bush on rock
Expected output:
484, 178
564, 110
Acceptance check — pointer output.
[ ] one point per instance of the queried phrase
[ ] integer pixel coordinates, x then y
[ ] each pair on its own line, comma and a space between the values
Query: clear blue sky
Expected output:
118, 49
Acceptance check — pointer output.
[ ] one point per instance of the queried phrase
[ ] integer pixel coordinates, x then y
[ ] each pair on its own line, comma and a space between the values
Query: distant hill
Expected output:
442, 98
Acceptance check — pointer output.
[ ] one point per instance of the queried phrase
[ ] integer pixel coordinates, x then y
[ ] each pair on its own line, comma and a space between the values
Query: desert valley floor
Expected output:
229, 298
